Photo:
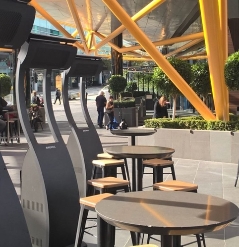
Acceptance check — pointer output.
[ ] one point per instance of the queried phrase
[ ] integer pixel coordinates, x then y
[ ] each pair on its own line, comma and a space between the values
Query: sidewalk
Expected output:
213, 178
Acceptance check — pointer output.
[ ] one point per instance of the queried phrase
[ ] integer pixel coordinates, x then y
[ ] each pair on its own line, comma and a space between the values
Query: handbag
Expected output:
108, 111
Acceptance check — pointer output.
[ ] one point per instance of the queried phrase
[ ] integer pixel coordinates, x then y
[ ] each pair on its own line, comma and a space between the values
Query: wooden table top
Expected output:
146, 152
167, 213
134, 132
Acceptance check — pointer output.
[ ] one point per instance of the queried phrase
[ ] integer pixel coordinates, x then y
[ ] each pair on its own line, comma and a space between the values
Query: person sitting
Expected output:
160, 108
35, 117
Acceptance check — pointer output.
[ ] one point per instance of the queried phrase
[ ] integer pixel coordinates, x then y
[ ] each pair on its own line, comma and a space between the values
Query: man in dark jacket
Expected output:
100, 104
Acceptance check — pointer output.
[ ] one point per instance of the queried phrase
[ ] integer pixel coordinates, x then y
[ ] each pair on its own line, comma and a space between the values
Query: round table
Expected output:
133, 132
139, 152
169, 214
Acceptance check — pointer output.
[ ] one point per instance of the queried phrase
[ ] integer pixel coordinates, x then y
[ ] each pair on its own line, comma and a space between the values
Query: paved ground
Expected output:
213, 178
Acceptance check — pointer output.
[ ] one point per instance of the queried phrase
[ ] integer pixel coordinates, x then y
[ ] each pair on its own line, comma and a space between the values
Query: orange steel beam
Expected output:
74, 13
161, 61
183, 47
167, 41
6, 50
222, 4
193, 57
89, 17
211, 27
144, 11
41, 11
74, 34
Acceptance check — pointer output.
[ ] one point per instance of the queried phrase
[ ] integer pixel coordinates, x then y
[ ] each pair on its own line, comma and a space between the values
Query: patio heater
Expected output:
50, 196
16, 20
83, 143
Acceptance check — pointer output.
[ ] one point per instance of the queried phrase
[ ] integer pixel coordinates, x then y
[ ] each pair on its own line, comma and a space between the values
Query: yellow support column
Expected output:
212, 35
222, 4
144, 41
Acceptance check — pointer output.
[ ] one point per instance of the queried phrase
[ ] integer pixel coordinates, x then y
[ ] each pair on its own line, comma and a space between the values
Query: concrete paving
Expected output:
213, 178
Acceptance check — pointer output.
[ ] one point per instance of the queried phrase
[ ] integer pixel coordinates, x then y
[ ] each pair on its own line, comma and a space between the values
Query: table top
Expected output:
146, 152
134, 132
167, 213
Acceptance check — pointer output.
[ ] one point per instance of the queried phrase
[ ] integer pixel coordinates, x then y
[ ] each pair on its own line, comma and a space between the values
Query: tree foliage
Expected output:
164, 84
5, 85
117, 84
232, 71
201, 83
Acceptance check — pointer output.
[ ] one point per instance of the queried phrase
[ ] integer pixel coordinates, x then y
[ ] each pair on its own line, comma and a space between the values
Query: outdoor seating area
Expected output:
76, 183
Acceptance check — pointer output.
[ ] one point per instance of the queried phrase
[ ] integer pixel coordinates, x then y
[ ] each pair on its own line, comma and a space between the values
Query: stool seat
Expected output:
107, 162
108, 182
175, 185
90, 201
158, 162
105, 156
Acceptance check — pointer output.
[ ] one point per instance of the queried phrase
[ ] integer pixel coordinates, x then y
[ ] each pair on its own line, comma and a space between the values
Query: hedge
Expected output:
194, 123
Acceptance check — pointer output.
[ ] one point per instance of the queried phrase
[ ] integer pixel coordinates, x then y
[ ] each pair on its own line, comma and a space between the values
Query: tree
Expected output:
131, 87
5, 85
166, 86
201, 83
117, 84
232, 71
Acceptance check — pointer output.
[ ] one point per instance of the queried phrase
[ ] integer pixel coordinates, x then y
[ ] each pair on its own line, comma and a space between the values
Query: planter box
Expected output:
130, 115
218, 146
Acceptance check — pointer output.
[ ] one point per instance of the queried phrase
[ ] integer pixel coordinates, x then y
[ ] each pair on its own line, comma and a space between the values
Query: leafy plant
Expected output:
192, 123
166, 86
232, 71
131, 87
201, 83
5, 85
117, 84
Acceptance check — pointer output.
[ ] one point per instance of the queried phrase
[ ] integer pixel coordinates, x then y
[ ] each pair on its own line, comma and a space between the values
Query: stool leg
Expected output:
173, 172
127, 169
198, 240
81, 226
237, 175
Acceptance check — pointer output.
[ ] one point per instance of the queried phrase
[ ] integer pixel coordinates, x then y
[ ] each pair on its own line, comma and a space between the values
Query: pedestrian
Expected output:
58, 96
160, 108
109, 109
35, 99
100, 105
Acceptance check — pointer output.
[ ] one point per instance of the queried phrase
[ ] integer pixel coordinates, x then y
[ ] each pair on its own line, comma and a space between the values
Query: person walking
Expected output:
100, 105
58, 96
160, 108
109, 108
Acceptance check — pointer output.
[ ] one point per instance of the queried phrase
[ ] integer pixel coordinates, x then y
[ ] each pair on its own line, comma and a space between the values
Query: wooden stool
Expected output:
107, 184
87, 203
175, 185
158, 165
106, 164
109, 156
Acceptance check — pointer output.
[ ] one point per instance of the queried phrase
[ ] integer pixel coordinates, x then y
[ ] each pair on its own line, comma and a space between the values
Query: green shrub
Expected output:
5, 85
192, 123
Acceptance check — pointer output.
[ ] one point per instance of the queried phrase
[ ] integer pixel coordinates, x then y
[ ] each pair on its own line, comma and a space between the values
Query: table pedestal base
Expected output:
170, 241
